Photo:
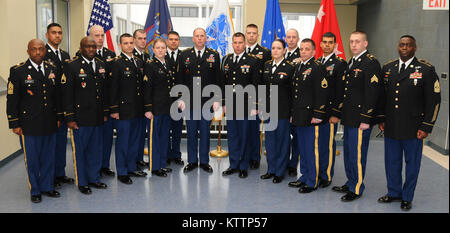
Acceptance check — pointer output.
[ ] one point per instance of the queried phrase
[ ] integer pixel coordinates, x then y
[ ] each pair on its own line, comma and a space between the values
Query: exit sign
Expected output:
435, 4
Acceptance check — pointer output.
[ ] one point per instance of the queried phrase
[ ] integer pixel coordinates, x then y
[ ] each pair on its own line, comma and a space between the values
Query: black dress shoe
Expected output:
340, 189
142, 164
125, 179
292, 171
229, 171
267, 176
85, 190
277, 179
254, 164
406, 205
178, 161
98, 185
388, 199
206, 167
107, 172
296, 184
65, 179
190, 166
52, 193
36, 198
350, 196
159, 173
166, 169
306, 189
243, 174
324, 183
137, 174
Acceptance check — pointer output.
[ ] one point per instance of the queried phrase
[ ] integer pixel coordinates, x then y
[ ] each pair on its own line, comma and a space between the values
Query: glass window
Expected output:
49, 11
304, 23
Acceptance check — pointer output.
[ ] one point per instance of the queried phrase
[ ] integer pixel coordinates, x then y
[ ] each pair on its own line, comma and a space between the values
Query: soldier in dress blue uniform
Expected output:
126, 107
292, 55
263, 54
309, 100
199, 67
173, 60
239, 68
106, 56
278, 72
335, 68
57, 56
140, 41
411, 106
361, 93
85, 110
32, 106
158, 81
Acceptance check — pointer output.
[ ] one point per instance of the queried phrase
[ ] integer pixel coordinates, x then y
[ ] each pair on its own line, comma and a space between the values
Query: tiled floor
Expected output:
200, 192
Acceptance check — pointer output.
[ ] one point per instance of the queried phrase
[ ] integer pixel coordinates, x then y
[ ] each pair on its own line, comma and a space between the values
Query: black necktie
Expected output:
236, 58
402, 68
91, 65
288, 55
40, 71
351, 62
323, 60
199, 54
172, 56
249, 50
57, 56
132, 60
99, 53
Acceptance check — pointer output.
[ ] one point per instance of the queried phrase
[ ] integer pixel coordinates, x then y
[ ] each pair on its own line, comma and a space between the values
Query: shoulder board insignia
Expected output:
370, 56
212, 50
391, 61
98, 59
49, 63
289, 62
424, 62
269, 61
73, 59
18, 65
264, 48
252, 55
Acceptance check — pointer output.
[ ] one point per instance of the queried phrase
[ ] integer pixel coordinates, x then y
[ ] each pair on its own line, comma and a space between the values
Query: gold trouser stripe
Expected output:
150, 149
261, 138
358, 185
26, 163
331, 154
316, 152
72, 139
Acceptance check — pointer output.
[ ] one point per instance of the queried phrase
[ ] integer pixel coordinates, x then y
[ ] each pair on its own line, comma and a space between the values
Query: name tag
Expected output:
29, 81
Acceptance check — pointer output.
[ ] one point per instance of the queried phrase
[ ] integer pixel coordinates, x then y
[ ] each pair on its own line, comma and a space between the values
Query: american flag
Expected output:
101, 15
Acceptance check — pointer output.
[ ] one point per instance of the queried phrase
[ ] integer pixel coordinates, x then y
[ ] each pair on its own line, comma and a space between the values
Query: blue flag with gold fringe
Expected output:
158, 23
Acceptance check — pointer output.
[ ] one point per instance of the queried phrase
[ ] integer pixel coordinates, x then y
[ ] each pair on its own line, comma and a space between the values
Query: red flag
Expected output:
327, 22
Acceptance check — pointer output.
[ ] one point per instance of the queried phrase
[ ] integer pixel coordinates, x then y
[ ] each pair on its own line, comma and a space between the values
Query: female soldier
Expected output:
158, 81
278, 72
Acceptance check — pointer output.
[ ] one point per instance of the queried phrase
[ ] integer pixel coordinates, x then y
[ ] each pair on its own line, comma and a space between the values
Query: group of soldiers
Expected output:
96, 92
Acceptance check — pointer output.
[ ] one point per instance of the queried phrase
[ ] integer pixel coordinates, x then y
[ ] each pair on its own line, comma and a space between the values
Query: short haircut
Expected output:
138, 30
281, 41
173, 33
307, 40
252, 26
357, 31
53, 25
329, 35
408, 36
293, 29
159, 40
239, 34
199, 29
124, 35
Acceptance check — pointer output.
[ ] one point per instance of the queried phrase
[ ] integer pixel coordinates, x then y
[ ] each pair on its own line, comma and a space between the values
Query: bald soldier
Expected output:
106, 55
85, 110
31, 106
